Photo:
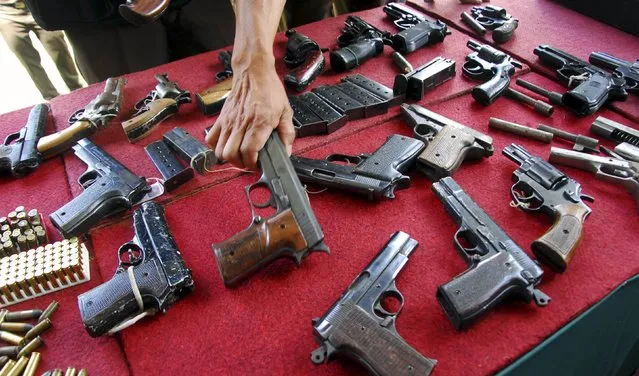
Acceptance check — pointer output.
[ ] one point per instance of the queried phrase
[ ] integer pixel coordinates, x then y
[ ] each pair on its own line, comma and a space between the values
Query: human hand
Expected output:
256, 105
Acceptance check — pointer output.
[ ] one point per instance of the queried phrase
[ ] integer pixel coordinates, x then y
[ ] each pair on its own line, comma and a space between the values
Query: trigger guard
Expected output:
75, 117
472, 69
378, 307
261, 205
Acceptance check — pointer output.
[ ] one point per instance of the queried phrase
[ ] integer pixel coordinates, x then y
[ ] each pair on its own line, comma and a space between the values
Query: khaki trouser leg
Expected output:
56, 46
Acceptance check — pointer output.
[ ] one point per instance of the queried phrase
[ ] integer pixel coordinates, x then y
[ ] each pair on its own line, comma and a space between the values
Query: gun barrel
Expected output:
604, 60
615, 131
473, 45
583, 161
516, 153
628, 151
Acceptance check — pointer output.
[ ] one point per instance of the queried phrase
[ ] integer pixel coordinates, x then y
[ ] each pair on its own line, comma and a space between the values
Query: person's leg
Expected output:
110, 51
301, 12
16, 35
56, 46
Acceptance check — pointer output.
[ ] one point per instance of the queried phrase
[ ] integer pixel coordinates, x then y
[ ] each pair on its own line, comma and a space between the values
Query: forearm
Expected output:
256, 25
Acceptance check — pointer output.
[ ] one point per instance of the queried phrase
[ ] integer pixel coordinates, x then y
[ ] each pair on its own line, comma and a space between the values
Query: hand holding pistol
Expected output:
19, 154
85, 122
357, 325
152, 275
541, 186
293, 231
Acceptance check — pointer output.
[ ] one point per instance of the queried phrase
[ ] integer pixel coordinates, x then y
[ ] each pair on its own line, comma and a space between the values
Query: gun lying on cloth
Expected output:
19, 154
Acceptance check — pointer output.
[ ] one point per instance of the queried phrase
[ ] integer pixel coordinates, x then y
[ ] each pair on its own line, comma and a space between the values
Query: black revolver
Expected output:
448, 143
541, 186
19, 154
152, 275
591, 87
374, 176
491, 66
498, 267
293, 231
109, 188
358, 326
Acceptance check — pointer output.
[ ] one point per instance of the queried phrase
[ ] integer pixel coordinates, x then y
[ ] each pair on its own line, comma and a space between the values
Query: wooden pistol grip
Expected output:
257, 246
211, 100
59, 142
142, 125
446, 151
557, 246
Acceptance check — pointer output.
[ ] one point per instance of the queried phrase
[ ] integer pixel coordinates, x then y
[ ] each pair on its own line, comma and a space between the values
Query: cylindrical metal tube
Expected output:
473, 24
540, 107
33, 217
18, 368
520, 130
4, 221
9, 351
49, 311
32, 366
40, 328
30, 347
7, 367
401, 62
19, 209
32, 242
57, 372
11, 338
3, 360
13, 218
558, 132
18, 327
23, 225
83, 372
41, 236
553, 96
22, 243
628, 151
70, 372
23, 315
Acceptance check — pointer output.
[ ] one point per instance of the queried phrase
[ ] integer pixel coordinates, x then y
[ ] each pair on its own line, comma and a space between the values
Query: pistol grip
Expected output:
112, 302
257, 246
492, 89
383, 352
211, 100
557, 246
503, 33
445, 153
299, 78
59, 142
142, 125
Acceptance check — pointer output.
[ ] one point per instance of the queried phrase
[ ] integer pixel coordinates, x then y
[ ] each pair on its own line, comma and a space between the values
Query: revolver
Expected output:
151, 276
448, 143
304, 58
497, 267
160, 104
496, 19
19, 154
85, 122
109, 188
293, 231
541, 186
491, 66
590, 86
374, 176
614, 169
358, 325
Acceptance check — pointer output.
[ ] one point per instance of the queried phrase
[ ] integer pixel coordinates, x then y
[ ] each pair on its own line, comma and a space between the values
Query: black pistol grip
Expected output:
589, 96
411, 39
112, 302
445, 153
503, 33
355, 54
492, 89
383, 352
474, 292
391, 160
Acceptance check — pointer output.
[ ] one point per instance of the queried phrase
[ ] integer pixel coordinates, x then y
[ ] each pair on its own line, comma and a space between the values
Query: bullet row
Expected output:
20, 231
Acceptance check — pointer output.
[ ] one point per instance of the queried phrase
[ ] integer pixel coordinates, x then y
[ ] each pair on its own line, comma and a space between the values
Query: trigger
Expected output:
540, 298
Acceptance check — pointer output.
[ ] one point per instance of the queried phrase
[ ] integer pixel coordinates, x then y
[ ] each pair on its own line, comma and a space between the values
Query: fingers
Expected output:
231, 152
213, 135
286, 130
254, 141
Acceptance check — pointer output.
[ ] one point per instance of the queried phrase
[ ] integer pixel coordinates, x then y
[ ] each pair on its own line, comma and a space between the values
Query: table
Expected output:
263, 326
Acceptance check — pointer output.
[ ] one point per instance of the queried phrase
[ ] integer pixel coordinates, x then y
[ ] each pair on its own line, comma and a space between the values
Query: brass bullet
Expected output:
70, 372
4, 221
67, 271
60, 273
9, 351
3, 360
57, 372
24, 315
22, 243
40, 328
51, 277
21, 216
19, 209
24, 286
32, 366
41, 236
11, 338
13, 218
16, 327
8, 247
30, 347
19, 366
48, 313
23, 225
77, 268
32, 241
34, 217
28, 232
39, 275
3, 314
14, 234
83, 372
7, 367
4, 228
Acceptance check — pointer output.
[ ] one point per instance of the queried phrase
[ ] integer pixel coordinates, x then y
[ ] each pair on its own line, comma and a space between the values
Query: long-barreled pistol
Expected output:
19, 153
151, 276
375, 176
293, 231
85, 122
160, 104
541, 186
615, 170
498, 267
109, 188
359, 326
448, 143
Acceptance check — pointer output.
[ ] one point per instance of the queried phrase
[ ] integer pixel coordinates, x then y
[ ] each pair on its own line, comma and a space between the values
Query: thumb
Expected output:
286, 130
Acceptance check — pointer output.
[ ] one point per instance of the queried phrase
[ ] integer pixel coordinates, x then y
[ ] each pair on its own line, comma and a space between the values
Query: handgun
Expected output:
495, 18
590, 86
377, 175
498, 268
160, 104
434, 73
490, 66
417, 30
85, 122
358, 325
304, 58
151, 276
211, 100
293, 231
109, 188
19, 154
629, 70
541, 186
140, 12
610, 169
448, 143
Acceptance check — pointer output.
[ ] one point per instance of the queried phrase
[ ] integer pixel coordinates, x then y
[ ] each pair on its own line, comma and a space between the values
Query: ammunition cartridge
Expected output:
49, 311
11, 351
30, 347
5, 227
40, 328
21, 215
19, 209
520, 130
401, 62
23, 315
3, 360
70, 372
18, 368
4, 221
32, 366
33, 217
8, 247
32, 242
3, 314
15, 233
83, 372
13, 218
11, 338
16, 327
23, 225
57, 372
28, 232
7, 367
473, 24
